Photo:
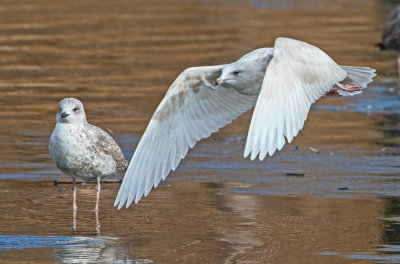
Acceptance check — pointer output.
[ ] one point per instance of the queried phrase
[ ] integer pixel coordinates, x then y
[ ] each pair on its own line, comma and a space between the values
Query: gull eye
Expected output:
60, 109
75, 109
236, 73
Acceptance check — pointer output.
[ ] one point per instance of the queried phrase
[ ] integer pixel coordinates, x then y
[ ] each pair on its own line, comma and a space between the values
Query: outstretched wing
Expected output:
191, 110
296, 77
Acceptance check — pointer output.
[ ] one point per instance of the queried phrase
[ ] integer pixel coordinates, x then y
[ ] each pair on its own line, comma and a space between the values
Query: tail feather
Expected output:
360, 76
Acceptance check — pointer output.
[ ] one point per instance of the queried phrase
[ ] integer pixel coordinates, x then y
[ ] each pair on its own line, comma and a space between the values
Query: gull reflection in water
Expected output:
98, 249
74, 214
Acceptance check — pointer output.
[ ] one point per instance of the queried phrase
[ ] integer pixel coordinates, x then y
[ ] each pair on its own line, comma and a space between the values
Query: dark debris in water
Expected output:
295, 174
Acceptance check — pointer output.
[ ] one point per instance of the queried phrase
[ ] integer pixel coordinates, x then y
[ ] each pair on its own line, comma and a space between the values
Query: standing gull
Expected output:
82, 150
282, 82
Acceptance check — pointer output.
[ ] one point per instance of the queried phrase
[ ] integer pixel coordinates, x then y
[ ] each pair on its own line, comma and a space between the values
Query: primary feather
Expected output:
191, 110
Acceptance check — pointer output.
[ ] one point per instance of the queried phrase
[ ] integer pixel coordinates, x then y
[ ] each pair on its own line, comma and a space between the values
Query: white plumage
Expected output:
282, 82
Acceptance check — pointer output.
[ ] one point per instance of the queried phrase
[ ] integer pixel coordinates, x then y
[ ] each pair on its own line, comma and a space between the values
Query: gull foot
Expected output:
331, 94
350, 87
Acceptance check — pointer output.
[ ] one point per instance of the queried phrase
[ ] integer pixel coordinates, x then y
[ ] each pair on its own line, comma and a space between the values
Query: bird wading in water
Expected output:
82, 150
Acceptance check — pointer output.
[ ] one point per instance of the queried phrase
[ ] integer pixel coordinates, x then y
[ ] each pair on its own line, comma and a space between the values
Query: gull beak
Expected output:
64, 115
219, 81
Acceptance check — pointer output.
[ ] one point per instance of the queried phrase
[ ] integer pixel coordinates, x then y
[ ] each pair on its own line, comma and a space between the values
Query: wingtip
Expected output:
117, 201
254, 155
128, 204
137, 199
247, 152
262, 155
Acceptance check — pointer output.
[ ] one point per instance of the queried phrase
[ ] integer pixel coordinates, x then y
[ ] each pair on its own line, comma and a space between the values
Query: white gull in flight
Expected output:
281, 82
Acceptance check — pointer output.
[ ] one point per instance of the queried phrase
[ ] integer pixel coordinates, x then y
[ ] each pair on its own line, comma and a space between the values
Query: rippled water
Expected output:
331, 196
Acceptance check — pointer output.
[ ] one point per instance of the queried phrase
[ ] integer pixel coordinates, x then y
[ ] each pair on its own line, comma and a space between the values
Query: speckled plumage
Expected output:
82, 150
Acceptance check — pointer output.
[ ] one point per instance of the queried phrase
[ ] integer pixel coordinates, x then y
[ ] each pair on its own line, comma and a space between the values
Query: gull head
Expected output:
71, 111
245, 76
233, 75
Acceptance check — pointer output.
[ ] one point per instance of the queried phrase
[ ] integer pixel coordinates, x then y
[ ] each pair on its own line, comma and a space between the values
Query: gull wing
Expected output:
298, 74
191, 110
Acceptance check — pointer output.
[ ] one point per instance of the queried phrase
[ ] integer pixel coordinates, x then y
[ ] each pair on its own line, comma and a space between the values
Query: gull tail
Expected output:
360, 76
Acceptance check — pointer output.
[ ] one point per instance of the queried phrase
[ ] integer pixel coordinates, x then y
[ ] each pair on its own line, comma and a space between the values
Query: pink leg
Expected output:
331, 94
74, 207
97, 222
349, 87
98, 188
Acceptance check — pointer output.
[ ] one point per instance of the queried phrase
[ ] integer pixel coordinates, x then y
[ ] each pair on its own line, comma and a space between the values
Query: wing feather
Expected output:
191, 110
296, 77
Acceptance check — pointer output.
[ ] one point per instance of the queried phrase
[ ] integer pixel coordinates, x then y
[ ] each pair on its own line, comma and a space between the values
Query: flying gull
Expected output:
281, 82
82, 150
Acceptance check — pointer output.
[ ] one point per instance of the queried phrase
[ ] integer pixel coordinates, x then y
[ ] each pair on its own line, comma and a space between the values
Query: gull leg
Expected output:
98, 188
331, 94
74, 208
97, 223
349, 87
74, 221
96, 209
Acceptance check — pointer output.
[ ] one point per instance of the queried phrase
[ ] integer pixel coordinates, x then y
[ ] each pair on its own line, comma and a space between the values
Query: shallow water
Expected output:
341, 204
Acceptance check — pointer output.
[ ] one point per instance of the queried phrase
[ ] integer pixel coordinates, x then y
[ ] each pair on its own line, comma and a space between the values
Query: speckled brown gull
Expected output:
282, 82
82, 150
